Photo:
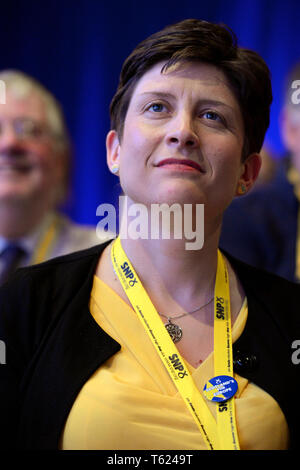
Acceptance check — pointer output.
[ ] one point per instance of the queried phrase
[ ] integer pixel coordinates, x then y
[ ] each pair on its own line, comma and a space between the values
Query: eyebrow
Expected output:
158, 93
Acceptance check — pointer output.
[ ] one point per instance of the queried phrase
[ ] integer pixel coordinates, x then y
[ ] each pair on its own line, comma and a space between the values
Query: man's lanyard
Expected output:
217, 436
294, 179
46, 242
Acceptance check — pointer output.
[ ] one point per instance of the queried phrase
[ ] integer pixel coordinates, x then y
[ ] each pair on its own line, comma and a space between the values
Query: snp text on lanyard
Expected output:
217, 434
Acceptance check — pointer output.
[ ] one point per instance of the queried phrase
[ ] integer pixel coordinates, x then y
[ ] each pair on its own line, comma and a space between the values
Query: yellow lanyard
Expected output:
46, 242
294, 179
223, 359
297, 269
217, 436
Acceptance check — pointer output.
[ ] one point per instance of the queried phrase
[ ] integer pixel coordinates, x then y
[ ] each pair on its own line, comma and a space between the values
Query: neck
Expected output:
168, 267
168, 270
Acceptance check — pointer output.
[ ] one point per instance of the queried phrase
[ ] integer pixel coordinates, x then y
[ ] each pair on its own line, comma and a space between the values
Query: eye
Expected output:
156, 107
212, 116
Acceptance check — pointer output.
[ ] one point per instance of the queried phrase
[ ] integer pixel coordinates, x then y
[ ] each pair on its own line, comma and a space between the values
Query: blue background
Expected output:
76, 48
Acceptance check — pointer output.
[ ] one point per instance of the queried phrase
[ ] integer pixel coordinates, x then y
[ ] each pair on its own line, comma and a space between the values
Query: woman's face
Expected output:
182, 140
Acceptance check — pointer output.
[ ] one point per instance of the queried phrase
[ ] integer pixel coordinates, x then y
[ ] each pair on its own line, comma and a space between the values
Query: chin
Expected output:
180, 197
19, 195
170, 192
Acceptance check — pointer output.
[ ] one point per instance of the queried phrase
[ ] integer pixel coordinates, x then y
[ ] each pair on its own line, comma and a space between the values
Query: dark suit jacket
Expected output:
261, 227
53, 345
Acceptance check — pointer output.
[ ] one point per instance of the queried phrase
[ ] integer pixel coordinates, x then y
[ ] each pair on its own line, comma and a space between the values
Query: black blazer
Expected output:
261, 228
53, 345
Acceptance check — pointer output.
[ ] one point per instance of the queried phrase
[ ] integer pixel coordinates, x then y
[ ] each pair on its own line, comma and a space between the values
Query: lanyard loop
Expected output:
46, 242
217, 436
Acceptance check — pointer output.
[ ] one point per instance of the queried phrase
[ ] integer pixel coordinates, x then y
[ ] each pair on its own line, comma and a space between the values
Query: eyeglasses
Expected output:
26, 128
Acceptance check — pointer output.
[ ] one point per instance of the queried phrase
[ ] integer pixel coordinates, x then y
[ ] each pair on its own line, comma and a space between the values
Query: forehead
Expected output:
30, 105
196, 77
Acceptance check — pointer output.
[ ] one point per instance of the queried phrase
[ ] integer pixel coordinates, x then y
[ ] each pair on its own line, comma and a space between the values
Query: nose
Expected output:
182, 133
8, 137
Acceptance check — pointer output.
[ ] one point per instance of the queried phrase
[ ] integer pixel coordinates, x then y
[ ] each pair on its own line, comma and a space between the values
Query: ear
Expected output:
249, 173
112, 150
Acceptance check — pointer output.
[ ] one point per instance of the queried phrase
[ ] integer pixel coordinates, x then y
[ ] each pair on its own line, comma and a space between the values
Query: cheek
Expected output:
48, 165
41, 154
139, 139
229, 156
227, 167
296, 137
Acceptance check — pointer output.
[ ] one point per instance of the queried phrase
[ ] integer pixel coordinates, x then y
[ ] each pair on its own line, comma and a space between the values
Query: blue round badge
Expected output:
220, 388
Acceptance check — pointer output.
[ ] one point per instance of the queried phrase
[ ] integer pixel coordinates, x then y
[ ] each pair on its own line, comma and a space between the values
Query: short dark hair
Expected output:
201, 41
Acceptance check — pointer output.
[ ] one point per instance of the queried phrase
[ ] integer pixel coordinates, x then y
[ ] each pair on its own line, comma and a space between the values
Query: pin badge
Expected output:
220, 388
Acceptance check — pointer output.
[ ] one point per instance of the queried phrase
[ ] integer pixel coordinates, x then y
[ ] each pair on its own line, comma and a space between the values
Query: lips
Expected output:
184, 163
15, 167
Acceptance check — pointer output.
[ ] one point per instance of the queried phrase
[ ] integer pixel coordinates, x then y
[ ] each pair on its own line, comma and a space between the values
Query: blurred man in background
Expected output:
263, 228
35, 155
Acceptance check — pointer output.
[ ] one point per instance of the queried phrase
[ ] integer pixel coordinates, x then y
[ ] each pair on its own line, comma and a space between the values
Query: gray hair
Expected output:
22, 85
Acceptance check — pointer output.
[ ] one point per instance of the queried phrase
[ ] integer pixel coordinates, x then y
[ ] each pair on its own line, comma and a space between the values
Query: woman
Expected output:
111, 348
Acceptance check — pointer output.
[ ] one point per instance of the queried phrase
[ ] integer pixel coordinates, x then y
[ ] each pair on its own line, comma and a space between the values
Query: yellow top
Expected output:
130, 402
